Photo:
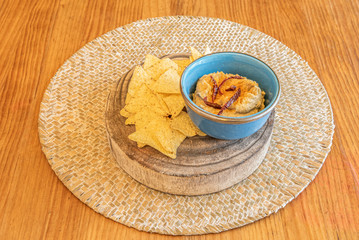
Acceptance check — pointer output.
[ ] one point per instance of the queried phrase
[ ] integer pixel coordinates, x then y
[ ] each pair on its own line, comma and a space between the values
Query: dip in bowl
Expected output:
229, 63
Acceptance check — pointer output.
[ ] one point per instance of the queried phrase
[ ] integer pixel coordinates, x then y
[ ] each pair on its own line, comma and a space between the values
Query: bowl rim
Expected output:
225, 119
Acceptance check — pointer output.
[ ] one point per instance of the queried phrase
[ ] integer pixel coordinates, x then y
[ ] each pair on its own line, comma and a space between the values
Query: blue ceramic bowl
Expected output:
223, 127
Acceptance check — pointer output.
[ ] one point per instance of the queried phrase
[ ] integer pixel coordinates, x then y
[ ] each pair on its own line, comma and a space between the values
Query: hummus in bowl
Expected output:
229, 95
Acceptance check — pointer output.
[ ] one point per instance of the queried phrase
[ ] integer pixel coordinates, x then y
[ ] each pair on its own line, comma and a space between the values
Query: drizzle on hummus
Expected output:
228, 95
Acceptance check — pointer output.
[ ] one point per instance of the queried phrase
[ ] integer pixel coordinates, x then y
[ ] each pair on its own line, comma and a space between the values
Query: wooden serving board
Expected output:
203, 165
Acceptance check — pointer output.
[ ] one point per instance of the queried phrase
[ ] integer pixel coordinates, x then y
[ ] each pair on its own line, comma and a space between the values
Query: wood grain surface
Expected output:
36, 37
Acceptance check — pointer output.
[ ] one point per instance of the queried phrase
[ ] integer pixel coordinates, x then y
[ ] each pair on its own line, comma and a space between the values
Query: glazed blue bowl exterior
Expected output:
223, 127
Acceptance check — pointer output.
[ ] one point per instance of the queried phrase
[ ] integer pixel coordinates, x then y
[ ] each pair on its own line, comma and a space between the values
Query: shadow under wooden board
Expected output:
203, 165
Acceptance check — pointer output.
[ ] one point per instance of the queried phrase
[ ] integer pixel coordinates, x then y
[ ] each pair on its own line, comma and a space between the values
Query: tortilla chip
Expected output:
160, 136
146, 98
130, 120
195, 54
144, 117
174, 102
184, 124
140, 145
154, 104
207, 51
176, 140
144, 137
200, 133
139, 78
162, 66
124, 113
182, 64
169, 138
150, 61
168, 82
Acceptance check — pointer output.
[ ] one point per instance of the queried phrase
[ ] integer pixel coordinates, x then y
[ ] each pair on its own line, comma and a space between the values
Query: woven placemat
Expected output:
73, 133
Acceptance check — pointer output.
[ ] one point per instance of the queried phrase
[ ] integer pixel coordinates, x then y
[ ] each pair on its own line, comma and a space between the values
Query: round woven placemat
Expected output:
73, 134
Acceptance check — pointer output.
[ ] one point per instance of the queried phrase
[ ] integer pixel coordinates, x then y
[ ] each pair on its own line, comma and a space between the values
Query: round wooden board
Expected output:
203, 165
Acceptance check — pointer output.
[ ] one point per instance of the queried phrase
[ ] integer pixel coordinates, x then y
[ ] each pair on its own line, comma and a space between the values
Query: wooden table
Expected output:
36, 37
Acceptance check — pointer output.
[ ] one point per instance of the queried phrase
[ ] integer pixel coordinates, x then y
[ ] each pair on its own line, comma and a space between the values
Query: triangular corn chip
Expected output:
146, 98
154, 104
162, 66
139, 78
174, 102
150, 61
182, 64
168, 82
195, 54
207, 51
159, 135
184, 124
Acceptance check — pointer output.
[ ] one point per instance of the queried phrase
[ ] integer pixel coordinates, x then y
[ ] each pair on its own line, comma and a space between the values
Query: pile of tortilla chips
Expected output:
155, 105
